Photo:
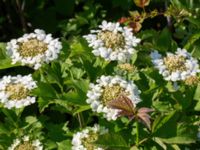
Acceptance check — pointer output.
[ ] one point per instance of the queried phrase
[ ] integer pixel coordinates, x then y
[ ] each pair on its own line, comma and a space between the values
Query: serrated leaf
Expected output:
79, 47
45, 90
43, 103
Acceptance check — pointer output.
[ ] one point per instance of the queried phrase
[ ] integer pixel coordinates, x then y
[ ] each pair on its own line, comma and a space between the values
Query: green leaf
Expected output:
147, 34
178, 140
186, 134
7, 63
197, 93
54, 73
197, 106
3, 50
163, 41
134, 58
117, 142
45, 102
74, 98
81, 86
81, 109
79, 47
160, 142
192, 39
31, 119
64, 145
163, 106
3, 129
194, 21
63, 103
57, 132
165, 123
45, 90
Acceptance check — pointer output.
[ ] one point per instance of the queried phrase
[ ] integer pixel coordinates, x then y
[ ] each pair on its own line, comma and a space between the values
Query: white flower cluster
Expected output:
80, 137
14, 91
26, 143
112, 42
34, 49
175, 67
115, 85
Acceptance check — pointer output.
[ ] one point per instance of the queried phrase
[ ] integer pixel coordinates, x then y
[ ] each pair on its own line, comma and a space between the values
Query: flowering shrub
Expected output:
100, 75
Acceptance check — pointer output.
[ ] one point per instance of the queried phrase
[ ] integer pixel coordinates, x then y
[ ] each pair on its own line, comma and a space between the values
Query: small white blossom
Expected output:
26, 143
108, 88
84, 139
112, 42
34, 49
175, 67
14, 91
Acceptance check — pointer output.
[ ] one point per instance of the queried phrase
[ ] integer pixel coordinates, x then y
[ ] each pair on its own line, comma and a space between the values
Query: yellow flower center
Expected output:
111, 93
88, 142
32, 48
112, 40
17, 91
25, 146
192, 80
127, 67
175, 63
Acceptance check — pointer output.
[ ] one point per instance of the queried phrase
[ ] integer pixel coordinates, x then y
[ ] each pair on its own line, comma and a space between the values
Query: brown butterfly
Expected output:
126, 107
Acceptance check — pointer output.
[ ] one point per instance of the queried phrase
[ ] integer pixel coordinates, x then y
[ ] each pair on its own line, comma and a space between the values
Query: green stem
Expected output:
80, 120
137, 133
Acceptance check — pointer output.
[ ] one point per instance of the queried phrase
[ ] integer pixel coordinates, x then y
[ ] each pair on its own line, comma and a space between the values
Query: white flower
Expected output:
34, 49
15, 91
112, 42
107, 89
26, 143
84, 140
175, 67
